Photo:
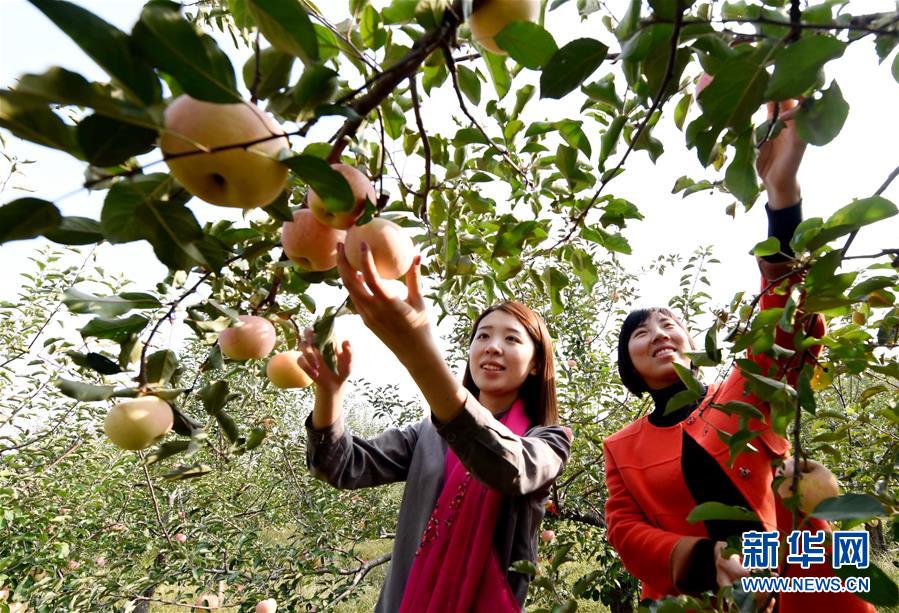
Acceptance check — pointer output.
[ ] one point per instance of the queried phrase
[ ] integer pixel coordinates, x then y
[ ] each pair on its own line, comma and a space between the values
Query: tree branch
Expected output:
656, 105
450, 63
426, 146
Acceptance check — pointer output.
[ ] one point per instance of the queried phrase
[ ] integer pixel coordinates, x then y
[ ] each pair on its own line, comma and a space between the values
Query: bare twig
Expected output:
360, 574
162, 527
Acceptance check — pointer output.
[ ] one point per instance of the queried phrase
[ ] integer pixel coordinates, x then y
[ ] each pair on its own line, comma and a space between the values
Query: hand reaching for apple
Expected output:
779, 159
313, 363
402, 325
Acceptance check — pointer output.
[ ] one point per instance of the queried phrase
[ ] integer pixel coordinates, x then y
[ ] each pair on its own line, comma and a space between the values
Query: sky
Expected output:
851, 166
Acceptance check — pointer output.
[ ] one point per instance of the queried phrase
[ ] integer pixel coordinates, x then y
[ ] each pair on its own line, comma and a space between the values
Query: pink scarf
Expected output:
456, 568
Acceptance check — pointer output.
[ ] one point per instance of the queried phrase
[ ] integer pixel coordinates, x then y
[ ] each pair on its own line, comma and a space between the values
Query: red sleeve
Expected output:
772, 299
644, 549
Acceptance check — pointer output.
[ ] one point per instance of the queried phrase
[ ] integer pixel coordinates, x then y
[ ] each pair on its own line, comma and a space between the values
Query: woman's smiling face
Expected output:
501, 357
657, 343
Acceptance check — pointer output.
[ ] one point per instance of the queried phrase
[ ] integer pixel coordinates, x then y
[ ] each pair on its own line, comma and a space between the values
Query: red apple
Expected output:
254, 338
309, 243
243, 177
269, 605
816, 483
180, 537
134, 424
547, 536
390, 246
362, 190
284, 372
491, 16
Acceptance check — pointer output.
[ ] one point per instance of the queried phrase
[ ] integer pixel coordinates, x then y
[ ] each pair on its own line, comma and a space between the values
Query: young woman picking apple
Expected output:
662, 465
477, 471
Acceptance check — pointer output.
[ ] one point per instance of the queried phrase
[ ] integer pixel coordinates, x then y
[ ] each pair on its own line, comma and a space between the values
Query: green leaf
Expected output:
574, 135
470, 84
469, 136
570, 66
76, 231
327, 183
796, 67
150, 207
193, 59
95, 361
109, 142
287, 27
612, 242
61, 86
37, 124
769, 246
255, 438
734, 95
895, 68
188, 472
78, 301
166, 450
499, 73
743, 409
274, 72
85, 392
215, 396
561, 556
524, 567
860, 213
527, 43
862, 507
819, 121
114, 329
718, 511
740, 177
316, 86
107, 46
689, 378
680, 400
161, 366
883, 592
27, 218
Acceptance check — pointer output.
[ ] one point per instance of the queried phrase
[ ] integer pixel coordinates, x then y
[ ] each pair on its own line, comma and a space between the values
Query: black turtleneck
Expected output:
707, 482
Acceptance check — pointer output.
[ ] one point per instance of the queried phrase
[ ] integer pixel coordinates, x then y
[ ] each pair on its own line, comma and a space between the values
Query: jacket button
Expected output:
691, 420
744, 472
450, 438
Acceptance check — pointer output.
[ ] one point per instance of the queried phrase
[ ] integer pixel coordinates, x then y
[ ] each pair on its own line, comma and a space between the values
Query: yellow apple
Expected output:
284, 372
136, 423
390, 246
816, 483
254, 338
489, 17
309, 243
362, 190
269, 605
244, 177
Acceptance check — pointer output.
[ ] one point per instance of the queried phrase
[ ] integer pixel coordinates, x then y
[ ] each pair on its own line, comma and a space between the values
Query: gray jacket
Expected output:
522, 468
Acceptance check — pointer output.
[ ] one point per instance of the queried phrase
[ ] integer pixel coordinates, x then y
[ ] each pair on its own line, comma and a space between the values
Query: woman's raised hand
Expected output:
779, 159
315, 365
729, 571
402, 325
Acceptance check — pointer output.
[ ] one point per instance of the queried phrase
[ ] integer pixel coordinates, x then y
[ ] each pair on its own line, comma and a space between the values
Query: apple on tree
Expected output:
390, 246
363, 191
242, 177
284, 372
547, 536
309, 243
253, 339
134, 424
269, 605
816, 483
489, 17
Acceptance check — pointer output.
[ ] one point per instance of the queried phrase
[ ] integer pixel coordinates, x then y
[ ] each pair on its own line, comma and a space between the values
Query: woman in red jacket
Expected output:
661, 466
